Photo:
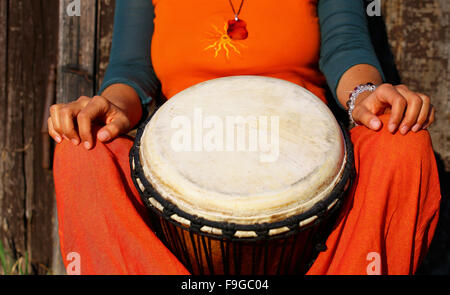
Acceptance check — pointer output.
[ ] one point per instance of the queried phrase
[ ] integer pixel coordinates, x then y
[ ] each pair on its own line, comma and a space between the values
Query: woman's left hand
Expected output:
409, 110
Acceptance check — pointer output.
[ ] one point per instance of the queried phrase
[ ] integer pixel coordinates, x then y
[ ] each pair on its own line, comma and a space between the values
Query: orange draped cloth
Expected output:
388, 219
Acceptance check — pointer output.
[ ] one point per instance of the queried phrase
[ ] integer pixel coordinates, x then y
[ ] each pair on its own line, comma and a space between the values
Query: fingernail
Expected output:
58, 139
87, 145
375, 123
103, 135
416, 127
391, 127
404, 130
75, 141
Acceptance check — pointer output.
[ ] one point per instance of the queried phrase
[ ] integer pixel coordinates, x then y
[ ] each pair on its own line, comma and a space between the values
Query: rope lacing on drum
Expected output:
229, 229
291, 223
262, 230
169, 209
197, 222
322, 206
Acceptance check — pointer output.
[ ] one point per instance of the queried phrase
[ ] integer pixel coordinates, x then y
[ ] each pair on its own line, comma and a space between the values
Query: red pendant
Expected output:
237, 29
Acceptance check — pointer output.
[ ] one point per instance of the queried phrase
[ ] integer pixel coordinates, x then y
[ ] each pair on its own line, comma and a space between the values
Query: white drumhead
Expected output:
293, 154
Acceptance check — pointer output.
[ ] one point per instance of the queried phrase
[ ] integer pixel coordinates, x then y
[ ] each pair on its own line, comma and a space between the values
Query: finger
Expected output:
67, 116
363, 116
117, 126
54, 115
51, 131
62, 116
388, 94
424, 112
412, 109
83, 101
96, 108
431, 118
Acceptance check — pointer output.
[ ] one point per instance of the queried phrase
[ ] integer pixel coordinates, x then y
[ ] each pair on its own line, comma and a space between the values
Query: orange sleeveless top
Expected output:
190, 42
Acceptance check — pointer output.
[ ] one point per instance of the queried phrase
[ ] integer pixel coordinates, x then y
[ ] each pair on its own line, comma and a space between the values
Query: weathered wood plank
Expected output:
3, 113
41, 198
26, 189
76, 68
13, 203
104, 37
419, 34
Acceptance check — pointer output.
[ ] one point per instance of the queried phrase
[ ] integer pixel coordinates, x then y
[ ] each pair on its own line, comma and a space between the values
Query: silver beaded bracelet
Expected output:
354, 95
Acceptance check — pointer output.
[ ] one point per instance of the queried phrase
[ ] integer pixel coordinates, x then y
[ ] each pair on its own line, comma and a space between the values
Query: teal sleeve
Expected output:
130, 57
345, 39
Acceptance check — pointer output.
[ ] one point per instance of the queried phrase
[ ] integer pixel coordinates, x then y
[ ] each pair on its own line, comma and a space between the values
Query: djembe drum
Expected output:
245, 174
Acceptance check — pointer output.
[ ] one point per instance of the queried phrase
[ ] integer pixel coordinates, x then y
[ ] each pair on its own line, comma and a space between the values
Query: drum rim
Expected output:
228, 230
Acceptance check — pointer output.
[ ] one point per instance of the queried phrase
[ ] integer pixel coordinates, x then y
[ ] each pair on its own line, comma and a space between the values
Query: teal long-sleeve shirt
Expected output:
345, 42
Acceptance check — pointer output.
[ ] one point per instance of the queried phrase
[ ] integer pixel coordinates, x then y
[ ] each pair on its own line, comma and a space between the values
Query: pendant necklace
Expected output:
237, 28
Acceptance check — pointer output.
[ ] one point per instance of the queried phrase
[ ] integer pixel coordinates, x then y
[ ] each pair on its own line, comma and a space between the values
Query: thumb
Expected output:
113, 129
363, 116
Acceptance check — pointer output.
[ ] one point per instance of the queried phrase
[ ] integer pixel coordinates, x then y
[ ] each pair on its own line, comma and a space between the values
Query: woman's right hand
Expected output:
73, 121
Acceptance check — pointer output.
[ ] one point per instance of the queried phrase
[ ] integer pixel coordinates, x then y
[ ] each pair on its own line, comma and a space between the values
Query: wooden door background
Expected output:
47, 56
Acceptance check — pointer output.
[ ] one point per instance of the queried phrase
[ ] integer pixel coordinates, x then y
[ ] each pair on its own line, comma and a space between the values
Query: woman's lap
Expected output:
392, 210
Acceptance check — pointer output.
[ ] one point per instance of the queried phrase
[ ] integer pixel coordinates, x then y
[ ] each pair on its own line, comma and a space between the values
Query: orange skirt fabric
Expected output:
385, 227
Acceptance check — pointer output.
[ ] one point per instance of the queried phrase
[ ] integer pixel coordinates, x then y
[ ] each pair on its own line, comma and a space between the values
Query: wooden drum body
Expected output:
246, 175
